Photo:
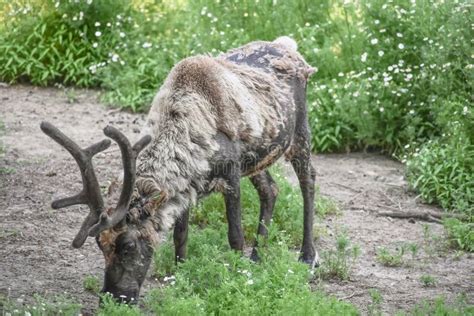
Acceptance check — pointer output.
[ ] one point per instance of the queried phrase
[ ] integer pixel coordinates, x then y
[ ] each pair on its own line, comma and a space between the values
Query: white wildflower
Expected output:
399, 35
465, 110
147, 45
95, 45
122, 34
381, 53
363, 57
115, 58
377, 22
381, 109
170, 278
374, 41
401, 46
97, 24
250, 282
98, 33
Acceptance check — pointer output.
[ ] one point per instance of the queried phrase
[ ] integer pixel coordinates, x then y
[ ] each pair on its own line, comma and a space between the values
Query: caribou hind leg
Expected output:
300, 158
306, 176
267, 191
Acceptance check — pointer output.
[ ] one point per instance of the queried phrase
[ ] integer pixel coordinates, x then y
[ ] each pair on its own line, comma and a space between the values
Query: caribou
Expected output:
213, 121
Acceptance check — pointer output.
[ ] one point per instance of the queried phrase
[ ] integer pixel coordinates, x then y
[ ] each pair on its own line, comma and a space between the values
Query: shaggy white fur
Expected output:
288, 42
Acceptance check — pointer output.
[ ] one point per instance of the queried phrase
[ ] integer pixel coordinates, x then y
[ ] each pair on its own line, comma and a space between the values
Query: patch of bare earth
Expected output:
36, 254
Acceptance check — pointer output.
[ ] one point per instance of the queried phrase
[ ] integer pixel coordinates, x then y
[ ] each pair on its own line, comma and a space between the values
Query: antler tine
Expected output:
129, 157
90, 193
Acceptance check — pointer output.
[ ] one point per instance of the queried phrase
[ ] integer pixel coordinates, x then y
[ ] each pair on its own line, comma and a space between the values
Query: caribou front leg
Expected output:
233, 212
180, 236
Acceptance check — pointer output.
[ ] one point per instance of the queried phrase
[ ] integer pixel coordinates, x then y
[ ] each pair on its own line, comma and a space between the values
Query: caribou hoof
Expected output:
254, 256
311, 260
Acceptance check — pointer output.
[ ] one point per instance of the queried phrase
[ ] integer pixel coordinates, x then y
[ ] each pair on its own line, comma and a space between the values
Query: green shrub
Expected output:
375, 306
428, 280
443, 172
338, 263
92, 284
460, 234
45, 41
389, 258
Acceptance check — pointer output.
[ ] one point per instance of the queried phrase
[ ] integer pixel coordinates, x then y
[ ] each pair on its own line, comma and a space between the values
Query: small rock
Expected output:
51, 174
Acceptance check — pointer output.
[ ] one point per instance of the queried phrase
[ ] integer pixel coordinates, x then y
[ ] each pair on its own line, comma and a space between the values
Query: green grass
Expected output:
391, 258
460, 234
337, 263
60, 305
375, 306
92, 284
428, 280
216, 279
440, 307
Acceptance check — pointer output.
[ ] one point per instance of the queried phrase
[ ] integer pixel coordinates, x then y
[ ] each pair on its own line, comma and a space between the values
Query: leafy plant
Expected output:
443, 172
109, 306
428, 280
375, 306
92, 284
389, 258
338, 263
460, 234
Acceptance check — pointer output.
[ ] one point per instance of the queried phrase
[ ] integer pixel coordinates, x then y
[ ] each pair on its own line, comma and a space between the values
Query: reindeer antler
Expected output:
98, 219
90, 193
129, 159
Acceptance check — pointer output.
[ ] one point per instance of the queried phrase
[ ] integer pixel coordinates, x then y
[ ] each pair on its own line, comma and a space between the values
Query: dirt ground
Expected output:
36, 254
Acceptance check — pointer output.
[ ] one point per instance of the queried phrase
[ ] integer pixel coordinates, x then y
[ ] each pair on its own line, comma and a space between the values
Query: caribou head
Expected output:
127, 249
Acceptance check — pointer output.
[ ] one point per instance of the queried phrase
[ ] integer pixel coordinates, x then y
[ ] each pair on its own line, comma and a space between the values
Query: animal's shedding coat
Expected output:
246, 94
